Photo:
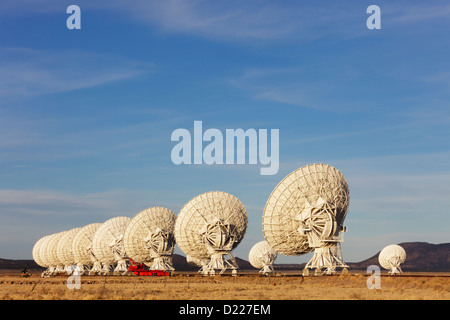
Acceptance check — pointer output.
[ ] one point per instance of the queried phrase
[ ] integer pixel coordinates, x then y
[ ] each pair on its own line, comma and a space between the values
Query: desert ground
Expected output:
244, 286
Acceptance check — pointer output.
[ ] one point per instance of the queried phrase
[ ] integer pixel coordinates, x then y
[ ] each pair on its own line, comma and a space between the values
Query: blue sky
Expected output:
86, 115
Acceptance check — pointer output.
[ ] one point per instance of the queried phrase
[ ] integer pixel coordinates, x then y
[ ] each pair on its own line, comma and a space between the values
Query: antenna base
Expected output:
218, 262
162, 263
328, 258
266, 269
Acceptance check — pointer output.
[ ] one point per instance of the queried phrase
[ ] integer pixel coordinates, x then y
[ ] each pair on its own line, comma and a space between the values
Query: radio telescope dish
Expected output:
210, 226
262, 256
42, 253
38, 253
107, 244
306, 212
64, 250
149, 238
82, 249
391, 257
56, 265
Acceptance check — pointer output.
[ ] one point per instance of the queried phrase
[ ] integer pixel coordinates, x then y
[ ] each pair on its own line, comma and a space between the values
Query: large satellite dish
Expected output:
42, 253
391, 257
107, 244
149, 238
306, 212
210, 226
38, 251
82, 250
64, 250
262, 256
56, 265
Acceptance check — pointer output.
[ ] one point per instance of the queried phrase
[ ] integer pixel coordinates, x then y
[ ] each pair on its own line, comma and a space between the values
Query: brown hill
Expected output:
18, 264
420, 256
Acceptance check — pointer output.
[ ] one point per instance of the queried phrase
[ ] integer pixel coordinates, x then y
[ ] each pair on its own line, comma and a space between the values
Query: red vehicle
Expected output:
141, 269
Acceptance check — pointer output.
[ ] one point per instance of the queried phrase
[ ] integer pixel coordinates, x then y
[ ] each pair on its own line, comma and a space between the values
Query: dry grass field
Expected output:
242, 287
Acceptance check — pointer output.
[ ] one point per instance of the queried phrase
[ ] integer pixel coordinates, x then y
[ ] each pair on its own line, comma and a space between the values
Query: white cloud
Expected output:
41, 203
25, 139
409, 13
296, 21
25, 72
247, 20
316, 84
217, 20
27, 215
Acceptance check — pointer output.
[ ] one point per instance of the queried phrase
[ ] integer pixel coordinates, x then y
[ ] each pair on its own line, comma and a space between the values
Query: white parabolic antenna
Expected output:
262, 256
210, 226
149, 238
107, 244
306, 212
391, 257
56, 265
37, 251
43, 256
82, 249
64, 250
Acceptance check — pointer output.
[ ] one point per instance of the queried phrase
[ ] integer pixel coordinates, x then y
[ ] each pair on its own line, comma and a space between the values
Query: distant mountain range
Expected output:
420, 257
